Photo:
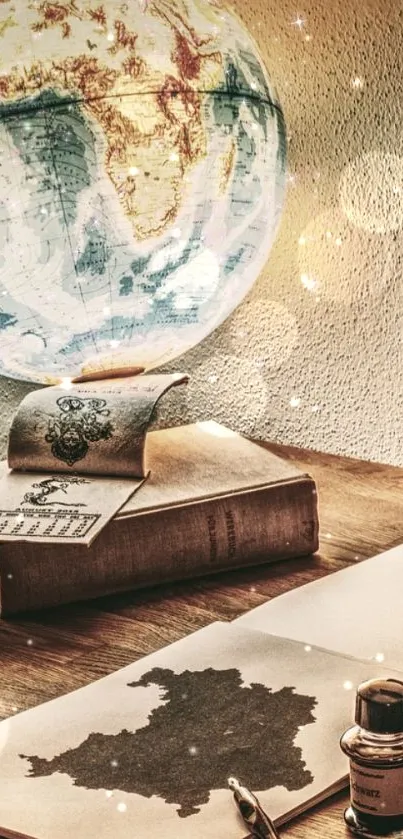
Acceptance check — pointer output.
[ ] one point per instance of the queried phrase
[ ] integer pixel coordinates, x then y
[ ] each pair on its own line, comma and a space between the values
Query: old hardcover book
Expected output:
213, 501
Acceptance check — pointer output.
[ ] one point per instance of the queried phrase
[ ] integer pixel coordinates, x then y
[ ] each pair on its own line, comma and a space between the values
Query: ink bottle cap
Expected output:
379, 706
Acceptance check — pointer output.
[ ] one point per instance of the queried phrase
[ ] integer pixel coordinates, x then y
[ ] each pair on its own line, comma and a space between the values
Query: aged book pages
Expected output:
96, 428
213, 501
203, 460
146, 752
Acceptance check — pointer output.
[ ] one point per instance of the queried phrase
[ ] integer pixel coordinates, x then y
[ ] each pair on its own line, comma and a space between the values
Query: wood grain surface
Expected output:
46, 654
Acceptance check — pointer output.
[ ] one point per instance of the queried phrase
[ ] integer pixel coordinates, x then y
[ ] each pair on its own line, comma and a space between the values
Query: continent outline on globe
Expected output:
148, 151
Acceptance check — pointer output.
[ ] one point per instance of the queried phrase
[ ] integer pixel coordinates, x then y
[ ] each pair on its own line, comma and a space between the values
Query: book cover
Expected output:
147, 750
213, 501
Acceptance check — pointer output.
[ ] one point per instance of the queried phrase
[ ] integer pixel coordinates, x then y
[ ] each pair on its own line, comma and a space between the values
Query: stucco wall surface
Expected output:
313, 357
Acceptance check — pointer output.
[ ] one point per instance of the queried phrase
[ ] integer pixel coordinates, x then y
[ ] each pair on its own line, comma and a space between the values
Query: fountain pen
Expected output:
256, 820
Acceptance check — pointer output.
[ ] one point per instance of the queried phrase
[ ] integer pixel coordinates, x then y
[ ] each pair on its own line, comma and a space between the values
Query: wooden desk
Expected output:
45, 655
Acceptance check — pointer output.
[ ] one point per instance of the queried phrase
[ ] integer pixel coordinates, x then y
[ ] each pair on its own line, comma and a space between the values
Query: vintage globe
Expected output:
142, 163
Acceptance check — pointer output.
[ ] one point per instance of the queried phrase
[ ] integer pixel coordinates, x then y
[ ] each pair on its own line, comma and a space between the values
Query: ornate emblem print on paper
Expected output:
79, 423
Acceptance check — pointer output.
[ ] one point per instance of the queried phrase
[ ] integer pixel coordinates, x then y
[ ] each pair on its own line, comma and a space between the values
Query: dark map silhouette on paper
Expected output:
211, 726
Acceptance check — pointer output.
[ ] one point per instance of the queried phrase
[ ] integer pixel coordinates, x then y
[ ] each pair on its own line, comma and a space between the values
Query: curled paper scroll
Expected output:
95, 428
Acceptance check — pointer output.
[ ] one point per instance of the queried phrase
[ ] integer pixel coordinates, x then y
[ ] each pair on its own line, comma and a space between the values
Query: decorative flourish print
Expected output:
80, 422
47, 487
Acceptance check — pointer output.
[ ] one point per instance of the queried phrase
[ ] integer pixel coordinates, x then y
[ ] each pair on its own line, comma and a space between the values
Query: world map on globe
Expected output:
142, 171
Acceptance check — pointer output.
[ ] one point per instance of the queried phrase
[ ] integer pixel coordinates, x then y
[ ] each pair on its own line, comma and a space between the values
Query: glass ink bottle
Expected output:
375, 749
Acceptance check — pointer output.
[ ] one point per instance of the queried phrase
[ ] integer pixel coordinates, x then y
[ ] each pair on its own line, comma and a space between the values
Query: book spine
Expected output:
250, 527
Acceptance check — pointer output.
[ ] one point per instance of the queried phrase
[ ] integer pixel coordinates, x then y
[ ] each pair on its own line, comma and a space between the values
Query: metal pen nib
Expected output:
256, 820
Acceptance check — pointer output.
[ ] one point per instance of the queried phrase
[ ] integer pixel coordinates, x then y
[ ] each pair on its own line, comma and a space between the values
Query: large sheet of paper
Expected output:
146, 752
357, 611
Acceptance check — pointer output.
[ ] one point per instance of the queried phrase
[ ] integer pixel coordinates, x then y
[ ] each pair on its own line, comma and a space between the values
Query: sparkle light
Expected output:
193, 750
121, 807
295, 402
307, 648
357, 83
30, 642
110, 36
134, 170
348, 685
380, 657
66, 383
299, 22
308, 282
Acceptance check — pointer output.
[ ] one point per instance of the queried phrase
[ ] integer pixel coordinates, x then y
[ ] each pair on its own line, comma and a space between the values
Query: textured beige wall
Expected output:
313, 357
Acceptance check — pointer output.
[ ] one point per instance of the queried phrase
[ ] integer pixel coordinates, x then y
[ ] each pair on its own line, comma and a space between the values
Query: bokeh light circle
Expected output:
341, 263
265, 332
225, 387
371, 192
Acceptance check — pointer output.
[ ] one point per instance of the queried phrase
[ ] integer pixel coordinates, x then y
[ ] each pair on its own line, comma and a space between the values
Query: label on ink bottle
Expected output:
377, 792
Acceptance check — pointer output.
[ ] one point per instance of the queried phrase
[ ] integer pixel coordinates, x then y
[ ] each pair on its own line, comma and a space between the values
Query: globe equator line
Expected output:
20, 109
